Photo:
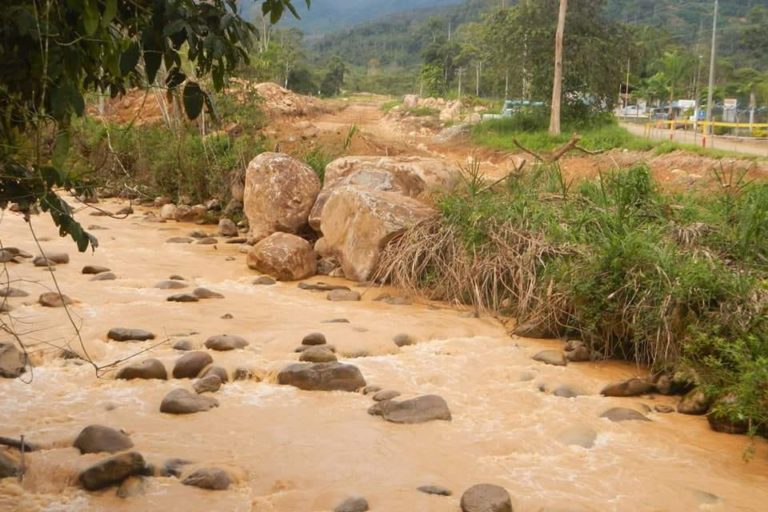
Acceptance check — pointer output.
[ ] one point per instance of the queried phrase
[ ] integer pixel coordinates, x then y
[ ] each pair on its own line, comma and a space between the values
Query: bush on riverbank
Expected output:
172, 159
675, 282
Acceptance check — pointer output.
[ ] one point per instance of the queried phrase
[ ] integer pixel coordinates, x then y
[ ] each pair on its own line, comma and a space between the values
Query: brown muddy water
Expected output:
295, 450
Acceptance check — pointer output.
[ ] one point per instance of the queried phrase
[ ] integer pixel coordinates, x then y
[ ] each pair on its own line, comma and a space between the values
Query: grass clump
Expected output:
673, 282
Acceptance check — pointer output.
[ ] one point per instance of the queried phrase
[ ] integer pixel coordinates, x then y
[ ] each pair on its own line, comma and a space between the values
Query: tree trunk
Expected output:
557, 84
752, 105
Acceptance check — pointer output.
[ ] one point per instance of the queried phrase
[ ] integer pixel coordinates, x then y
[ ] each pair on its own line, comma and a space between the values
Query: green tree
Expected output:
54, 52
675, 67
333, 80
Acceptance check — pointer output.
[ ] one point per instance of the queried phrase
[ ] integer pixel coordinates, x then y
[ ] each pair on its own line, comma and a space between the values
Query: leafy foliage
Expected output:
54, 52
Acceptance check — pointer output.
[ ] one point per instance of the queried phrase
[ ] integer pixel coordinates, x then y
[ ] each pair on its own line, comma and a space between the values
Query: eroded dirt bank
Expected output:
295, 450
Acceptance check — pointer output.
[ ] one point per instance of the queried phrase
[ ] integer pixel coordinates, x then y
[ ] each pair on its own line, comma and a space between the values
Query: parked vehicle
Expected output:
512, 107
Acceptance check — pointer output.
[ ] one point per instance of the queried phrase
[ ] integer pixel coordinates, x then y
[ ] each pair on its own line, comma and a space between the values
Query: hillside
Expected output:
399, 39
326, 16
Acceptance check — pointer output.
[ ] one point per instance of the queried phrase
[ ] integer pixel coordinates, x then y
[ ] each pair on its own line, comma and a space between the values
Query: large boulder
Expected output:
486, 498
12, 361
357, 223
112, 471
279, 193
98, 438
322, 377
283, 256
416, 410
412, 176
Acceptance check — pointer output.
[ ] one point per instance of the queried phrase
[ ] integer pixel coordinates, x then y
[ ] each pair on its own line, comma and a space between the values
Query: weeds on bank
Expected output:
669, 281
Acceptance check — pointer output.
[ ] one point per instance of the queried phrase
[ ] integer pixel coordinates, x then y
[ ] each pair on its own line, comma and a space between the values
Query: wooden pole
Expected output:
557, 85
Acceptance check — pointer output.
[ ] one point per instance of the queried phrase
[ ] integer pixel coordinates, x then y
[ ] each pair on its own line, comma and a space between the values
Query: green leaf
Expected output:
152, 60
175, 78
90, 17
193, 100
110, 11
61, 147
129, 59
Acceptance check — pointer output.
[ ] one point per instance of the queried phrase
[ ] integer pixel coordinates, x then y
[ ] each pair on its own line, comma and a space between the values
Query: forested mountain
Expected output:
400, 38
326, 16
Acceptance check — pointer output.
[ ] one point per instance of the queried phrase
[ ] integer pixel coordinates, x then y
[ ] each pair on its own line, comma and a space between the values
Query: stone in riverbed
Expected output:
179, 240
317, 354
172, 284
486, 498
225, 342
112, 471
227, 227
416, 410
181, 401
9, 467
576, 351
314, 338
191, 364
434, 490
696, 402
205, 293
322, 287
11, 361
58, 258
173, 467
184, 345
322, 377
371, 389
403, 340
354, 504
182, 297
209, 240
212, 479
106, 276
264, 281
283, 256
343, 296
131, 487
12, 292
218, 371
619, 414
125, 334
54, 300
577, 435
552, 357
94, 269
208, 384
631, 387
387, 394
663, 408
147, 369
98, 438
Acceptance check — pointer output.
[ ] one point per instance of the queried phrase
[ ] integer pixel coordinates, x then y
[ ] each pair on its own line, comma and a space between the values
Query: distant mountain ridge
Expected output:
326, 16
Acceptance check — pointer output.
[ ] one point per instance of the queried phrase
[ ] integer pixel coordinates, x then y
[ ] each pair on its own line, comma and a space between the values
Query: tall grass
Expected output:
637, 273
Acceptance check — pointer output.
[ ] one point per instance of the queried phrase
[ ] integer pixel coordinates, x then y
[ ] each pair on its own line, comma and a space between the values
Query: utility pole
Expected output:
711, 87
460, 72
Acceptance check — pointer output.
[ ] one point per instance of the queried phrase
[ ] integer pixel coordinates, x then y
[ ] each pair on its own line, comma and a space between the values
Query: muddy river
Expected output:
293, 450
